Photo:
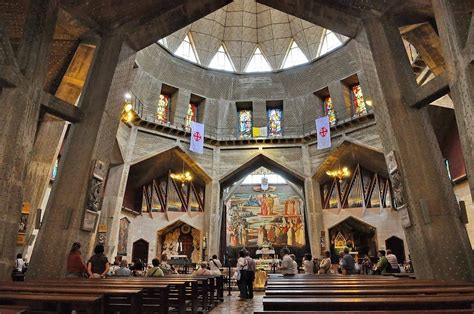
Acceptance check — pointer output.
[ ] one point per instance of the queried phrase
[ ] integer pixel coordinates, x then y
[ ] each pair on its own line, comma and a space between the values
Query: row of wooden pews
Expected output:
170, 294
356, 293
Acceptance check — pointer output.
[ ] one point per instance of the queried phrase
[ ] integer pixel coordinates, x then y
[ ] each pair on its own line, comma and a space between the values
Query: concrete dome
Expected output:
245, 25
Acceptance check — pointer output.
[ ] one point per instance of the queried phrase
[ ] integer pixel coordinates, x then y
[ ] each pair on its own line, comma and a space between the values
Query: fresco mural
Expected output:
257, 217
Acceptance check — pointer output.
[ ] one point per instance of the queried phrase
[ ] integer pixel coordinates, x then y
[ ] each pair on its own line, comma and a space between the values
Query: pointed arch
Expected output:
294, 56
222, 61
187, 50
258, 62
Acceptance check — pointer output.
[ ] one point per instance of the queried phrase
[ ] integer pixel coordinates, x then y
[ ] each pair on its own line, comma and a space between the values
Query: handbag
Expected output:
237, 275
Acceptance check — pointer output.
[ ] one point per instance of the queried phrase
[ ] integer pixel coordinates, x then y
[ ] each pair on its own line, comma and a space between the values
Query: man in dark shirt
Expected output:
347, 263
251, 268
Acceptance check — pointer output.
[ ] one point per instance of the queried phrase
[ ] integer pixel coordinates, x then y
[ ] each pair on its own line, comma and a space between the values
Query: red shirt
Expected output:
75, 263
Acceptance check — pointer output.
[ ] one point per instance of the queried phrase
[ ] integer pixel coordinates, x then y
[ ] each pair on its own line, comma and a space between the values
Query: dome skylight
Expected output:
245, 36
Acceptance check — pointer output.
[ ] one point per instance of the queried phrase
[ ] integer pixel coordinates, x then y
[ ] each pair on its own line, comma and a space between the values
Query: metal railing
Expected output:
228, 134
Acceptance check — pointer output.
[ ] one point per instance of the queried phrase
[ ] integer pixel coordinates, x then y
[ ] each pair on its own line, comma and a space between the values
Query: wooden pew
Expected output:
91, 304
14, 309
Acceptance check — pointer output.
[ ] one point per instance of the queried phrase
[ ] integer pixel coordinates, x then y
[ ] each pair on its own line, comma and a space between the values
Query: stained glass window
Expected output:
54, 173
329, 110
191, 114
274, 122
245, 123
163, 108
358, 101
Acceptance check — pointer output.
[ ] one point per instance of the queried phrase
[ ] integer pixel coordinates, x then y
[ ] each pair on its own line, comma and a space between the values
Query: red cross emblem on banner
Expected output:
323, 131
197, 136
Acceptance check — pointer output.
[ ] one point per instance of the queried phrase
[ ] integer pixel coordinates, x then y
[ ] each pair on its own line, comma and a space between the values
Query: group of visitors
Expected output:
245, 275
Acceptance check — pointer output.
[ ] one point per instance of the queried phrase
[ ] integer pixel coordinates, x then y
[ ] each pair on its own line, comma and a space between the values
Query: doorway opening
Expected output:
140, 250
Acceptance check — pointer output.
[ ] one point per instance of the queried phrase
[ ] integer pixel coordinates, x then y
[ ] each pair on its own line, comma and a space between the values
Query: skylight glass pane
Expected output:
163, 42
294, 57
330, 42
258, 63
186, 51
221, 61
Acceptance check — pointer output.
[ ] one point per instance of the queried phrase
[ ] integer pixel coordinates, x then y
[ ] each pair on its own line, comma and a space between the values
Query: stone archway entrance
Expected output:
397, 246
140, 250
357, 235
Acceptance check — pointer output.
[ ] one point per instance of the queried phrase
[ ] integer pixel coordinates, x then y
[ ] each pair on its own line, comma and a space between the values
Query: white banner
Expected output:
323, 132
197, 137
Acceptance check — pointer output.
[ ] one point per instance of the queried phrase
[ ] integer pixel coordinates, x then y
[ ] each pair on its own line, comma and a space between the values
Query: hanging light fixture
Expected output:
339, 173
184, 177
127, 111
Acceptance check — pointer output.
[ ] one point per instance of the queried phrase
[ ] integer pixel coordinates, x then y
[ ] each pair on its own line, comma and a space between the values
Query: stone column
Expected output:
91, 139
19, 105
455, 25
340, 99
213, 207
432, 206
113, 196
314, 215
180, 107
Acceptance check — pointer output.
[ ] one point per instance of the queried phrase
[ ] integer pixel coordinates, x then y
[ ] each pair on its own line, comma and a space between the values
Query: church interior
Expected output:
237, 156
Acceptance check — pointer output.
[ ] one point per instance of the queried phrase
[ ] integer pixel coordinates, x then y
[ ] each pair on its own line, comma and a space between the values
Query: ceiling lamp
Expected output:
127, 111
184, 177
339, 173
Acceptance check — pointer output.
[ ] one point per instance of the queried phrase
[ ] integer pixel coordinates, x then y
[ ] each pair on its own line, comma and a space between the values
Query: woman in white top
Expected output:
242, 283
308, 264
215, 266
19, 263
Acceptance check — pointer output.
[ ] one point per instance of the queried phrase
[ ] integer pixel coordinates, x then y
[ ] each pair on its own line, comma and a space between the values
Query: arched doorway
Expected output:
397, 246
140, 250
357, 235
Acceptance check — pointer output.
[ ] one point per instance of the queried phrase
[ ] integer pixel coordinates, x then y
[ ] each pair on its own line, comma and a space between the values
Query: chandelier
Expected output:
183, 177
339, 173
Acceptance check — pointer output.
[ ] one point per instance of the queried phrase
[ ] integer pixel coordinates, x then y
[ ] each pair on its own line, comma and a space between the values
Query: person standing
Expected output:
242, 269
98, 265
392, 260
287, 263
251, 269
325, 266
347, 263
215, 266
75, 266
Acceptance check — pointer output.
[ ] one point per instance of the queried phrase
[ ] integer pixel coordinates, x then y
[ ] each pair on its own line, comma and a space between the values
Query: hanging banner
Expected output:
197, 137
323, 132
260, 132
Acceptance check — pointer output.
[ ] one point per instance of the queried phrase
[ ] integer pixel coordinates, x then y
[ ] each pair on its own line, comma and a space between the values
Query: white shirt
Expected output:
392, 259
289, 264
242, 263
19, 264
308, 267
214, 265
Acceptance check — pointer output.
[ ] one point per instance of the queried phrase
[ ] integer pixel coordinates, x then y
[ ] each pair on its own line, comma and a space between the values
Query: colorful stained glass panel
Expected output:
163, 108
329, 110
274, 122
190, 115
358, 101
245, 123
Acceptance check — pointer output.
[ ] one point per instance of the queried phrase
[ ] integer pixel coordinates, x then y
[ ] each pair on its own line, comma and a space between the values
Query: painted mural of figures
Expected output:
270, 204
299, 233
233, 238
243, 234
291, 235
264, 205
262, 235
284, 233
287, 204
271, 234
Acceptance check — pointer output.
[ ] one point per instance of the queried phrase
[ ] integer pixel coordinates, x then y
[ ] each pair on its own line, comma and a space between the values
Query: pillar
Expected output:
20, 110
114, 194
180, 108
423, 182
455, 25
213, 206
341, 100
89, 140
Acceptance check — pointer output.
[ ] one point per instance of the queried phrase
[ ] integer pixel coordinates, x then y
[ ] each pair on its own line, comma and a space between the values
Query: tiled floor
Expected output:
232, 304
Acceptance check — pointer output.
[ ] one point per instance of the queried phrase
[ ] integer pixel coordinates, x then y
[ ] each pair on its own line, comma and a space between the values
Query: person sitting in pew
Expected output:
347, 263
393, 262
308, 264
325, 266
382, 265
215, 266
288, 265
123, 271
98, 265
202, 271
75, 266
155, 271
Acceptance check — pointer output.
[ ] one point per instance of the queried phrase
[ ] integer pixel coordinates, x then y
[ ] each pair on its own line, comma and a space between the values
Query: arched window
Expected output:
258, 63
221, 61
294, 56
186, 50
